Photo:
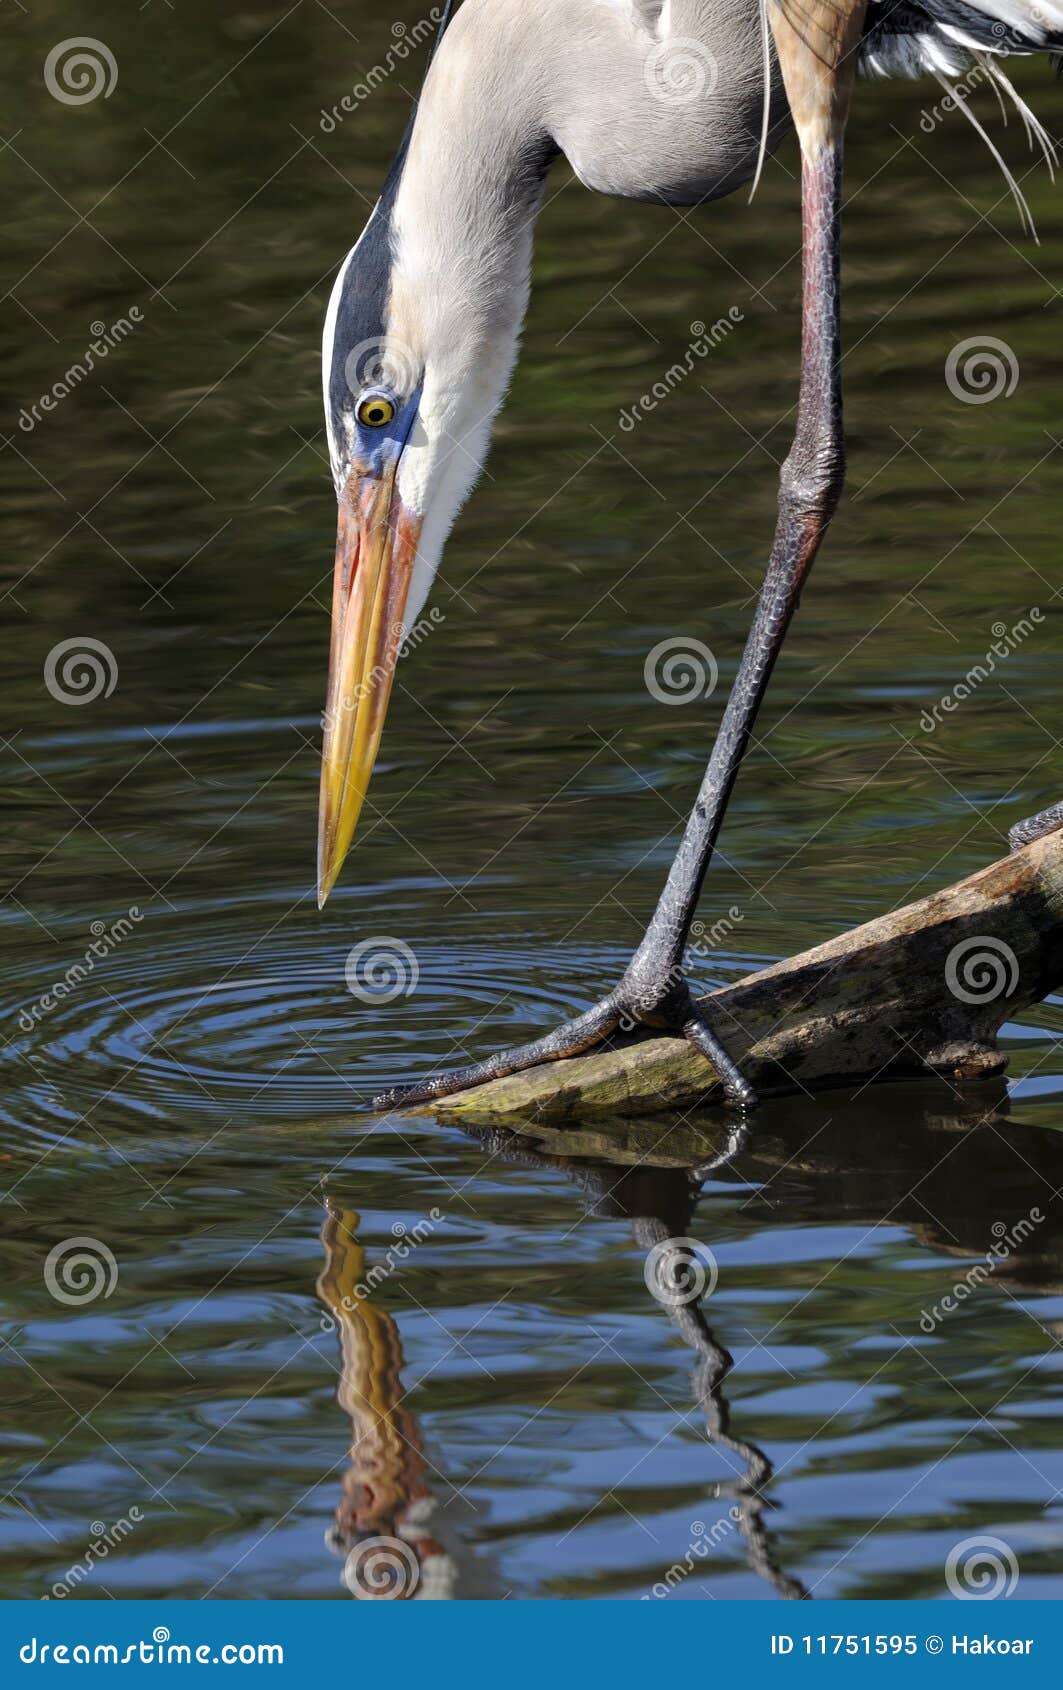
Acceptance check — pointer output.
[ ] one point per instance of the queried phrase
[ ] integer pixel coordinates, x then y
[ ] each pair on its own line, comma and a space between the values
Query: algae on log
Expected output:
923, 990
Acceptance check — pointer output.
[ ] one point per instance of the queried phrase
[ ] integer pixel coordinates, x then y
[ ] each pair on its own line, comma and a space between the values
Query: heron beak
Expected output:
376, 545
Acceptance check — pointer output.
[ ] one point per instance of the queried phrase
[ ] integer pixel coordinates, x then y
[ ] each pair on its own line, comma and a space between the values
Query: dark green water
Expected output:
193, 1103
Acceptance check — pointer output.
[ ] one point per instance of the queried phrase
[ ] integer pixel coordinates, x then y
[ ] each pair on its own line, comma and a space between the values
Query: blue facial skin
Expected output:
377, 450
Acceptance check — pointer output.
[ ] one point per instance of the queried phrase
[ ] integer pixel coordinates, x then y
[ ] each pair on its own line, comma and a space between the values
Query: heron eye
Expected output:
375, 412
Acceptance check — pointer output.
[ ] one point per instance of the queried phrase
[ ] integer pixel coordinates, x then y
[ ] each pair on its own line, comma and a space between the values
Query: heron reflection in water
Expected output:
398, 1540
896, 1159
389, 1527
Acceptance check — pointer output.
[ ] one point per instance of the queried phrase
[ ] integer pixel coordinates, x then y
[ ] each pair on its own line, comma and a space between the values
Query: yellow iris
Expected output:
376, 412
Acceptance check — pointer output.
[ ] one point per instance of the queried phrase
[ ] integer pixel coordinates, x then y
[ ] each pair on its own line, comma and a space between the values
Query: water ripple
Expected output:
277, 1030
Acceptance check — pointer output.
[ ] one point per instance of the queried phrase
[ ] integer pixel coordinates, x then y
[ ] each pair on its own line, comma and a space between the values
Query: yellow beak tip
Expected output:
326, 880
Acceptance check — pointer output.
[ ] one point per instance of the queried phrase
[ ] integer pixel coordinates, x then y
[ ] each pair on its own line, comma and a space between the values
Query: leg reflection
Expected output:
714, 1363
659, 1204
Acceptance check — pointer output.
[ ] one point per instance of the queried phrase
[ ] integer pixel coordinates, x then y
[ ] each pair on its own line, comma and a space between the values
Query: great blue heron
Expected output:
424, 318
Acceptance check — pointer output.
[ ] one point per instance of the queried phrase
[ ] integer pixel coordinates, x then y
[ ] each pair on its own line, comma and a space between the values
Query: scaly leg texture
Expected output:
816, 42
1036, 827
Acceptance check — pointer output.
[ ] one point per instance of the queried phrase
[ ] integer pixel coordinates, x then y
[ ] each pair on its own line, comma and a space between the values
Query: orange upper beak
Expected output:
376, 545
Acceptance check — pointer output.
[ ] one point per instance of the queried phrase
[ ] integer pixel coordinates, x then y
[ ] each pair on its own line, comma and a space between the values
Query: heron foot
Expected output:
1036, 827
673, 1011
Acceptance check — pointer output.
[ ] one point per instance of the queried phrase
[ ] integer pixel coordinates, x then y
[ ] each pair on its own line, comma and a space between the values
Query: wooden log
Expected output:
922, 990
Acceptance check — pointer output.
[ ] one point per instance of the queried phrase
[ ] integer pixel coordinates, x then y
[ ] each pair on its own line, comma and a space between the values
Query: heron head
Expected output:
412, 379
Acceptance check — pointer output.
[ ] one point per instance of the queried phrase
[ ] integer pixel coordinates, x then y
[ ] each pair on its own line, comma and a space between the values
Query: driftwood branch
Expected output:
923, 990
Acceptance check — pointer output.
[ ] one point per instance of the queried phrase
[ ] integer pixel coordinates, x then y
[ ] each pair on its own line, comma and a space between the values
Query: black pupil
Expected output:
376, 414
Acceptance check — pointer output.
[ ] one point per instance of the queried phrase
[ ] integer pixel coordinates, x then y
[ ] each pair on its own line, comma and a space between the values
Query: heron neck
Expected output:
472, 183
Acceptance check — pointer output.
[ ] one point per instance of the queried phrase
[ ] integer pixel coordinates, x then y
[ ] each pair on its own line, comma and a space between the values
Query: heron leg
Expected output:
817, 54
817, 44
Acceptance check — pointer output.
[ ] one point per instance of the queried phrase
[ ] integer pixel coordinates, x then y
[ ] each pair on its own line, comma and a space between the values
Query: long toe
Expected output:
1036, 827
569, 1040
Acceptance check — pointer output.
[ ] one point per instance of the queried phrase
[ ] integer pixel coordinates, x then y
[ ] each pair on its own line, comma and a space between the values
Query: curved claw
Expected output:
738, 1090
568, 1040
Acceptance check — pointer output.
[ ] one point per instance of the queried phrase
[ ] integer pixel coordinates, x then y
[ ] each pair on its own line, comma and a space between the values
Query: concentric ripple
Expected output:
296, 1025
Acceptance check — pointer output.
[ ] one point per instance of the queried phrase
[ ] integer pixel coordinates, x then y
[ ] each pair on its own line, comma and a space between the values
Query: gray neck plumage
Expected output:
511, 86
472, 183
675, 118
